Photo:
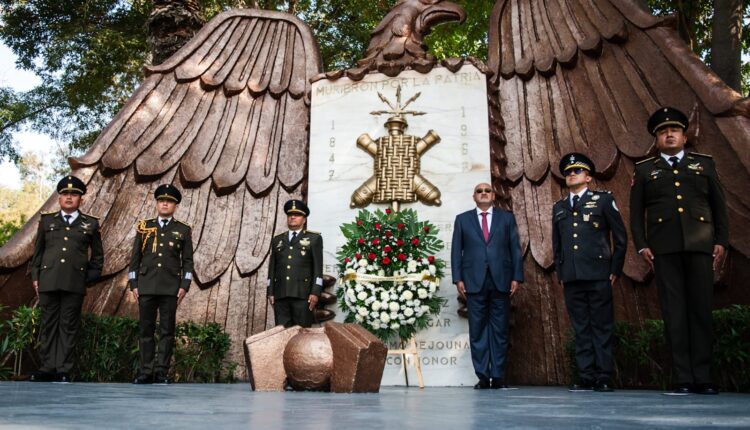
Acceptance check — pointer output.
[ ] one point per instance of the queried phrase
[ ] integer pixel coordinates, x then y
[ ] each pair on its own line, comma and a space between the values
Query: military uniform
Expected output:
295, 272
63, 268
585, 257
161, 263
680, 213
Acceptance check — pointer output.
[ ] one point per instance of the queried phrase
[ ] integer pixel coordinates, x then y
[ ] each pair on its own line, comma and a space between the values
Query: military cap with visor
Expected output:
576, 160
71, 184
667, 116
168, 192
296, 207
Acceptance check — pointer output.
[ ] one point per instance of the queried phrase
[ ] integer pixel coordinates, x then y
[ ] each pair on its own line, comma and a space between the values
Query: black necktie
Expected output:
674, 160
164, 223
294, 235
67, 219
575, 200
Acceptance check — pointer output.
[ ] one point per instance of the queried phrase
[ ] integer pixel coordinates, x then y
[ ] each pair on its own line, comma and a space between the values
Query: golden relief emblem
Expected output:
397, 175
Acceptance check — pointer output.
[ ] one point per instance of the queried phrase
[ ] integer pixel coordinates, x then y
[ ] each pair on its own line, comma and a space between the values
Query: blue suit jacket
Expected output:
471, 256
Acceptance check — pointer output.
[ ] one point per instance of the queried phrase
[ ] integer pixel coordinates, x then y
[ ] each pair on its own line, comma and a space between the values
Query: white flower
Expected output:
408, 312
375, 325
369, 300
412, 266
384, 296
359, 318
433, 269
408, 295
362, 295
433, 287
359, 288
362, 270
361, 310
417, 302
411, 320
394, 296
376, 306
394, 315
362, 263
375, 315
422, 293
394, 307
370, 268
381, 272
350, 294
384, 317
425, 309
349, 271
395, 325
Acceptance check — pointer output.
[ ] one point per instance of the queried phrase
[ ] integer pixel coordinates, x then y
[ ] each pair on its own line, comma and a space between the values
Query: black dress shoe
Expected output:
288, 386
680, 390
143, 379
41, 376
483, 384
709, 389
498, 384
62, 378
580, 387
161, 379
603, 387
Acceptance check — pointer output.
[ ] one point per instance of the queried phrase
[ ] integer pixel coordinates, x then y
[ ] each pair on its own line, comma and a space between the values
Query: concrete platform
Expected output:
181, 406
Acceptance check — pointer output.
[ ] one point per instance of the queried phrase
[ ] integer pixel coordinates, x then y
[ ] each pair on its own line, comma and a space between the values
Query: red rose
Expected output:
371, 256
388, 233
375, 241
402, 257
415, 241
426, 229
388, 211
361, 241
400, 242
347, 259
400, 226
359, 222
377, 226
431, 259
386, 261
387, 248
358, 255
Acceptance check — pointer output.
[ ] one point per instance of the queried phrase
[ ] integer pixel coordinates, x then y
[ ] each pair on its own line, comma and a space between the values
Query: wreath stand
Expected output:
414, 352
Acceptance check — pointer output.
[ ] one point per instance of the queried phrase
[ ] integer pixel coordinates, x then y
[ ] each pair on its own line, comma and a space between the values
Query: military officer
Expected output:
295, 270
680, 227
60, 271
161, 270
589, 243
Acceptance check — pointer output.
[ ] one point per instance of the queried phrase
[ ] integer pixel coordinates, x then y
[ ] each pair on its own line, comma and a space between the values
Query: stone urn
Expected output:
308, 360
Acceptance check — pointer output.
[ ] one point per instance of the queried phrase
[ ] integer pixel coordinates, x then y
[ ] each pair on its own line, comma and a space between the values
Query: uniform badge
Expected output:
695, 166
304, 242
280, 244
596, 197
177, 235
302, 252
86, 226
586, 217
596, 224
171, 243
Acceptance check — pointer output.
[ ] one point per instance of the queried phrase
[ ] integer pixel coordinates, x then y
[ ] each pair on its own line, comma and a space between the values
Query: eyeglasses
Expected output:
577, 171
483, 190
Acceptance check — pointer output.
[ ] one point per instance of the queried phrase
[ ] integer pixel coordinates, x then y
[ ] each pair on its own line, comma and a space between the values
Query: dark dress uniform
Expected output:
63, 268
680, 213
161, 264
295, 271
589, 243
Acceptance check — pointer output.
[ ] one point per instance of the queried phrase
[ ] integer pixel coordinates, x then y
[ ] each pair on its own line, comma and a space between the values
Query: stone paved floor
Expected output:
182, 406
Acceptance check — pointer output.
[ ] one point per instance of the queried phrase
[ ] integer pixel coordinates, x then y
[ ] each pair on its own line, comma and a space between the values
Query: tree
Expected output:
17, 206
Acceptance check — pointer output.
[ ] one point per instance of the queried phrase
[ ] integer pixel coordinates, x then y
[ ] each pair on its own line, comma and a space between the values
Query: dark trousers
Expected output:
60, 320
591, 314
148, 306
291, 311
685, 284
489, 312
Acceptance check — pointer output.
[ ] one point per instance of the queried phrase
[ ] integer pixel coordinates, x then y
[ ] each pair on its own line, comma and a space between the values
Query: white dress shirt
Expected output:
666, 157
291, 232
73, 216
579, 194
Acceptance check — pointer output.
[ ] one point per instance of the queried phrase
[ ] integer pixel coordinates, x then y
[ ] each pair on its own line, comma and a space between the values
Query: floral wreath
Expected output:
390, 274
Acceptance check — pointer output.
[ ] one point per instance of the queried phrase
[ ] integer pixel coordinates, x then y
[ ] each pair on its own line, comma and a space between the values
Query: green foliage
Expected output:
107, 348
642, 357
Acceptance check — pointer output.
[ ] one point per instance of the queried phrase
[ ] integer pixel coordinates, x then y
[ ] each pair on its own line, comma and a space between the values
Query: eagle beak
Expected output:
442, 12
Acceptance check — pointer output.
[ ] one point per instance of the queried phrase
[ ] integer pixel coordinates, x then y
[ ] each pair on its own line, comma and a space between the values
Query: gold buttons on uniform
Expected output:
291, 247
575, 213
702, 219
62, 260
287, 278
575, 224
161, 244
158, 265
160, 254
679, 197
575, 234
575, 246
288, 267
65, 238
65, 249
680, 210
290, 257
675, 171
677, 184
162, 235
660, 219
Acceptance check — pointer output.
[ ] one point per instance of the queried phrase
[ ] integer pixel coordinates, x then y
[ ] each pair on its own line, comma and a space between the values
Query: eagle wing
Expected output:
584, 75
225, 119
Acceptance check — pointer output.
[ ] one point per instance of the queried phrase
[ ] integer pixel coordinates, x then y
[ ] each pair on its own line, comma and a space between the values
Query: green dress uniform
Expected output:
589, 241
63, 268
161, 263
295, 271
679, 212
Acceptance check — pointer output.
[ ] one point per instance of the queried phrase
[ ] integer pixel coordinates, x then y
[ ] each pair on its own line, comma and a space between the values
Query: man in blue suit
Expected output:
487, 268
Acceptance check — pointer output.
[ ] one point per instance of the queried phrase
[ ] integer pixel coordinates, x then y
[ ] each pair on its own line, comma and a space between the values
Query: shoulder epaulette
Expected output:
50, 213
89, 216
183, 223
603, 191
643, 161
701, 155
311, 231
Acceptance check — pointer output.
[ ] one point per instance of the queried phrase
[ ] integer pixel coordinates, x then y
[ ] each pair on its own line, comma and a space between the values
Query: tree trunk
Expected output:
172, 24
726, 49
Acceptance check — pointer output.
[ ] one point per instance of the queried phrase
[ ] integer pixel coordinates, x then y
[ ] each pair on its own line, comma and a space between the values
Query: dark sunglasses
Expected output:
483, 190
577, 171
